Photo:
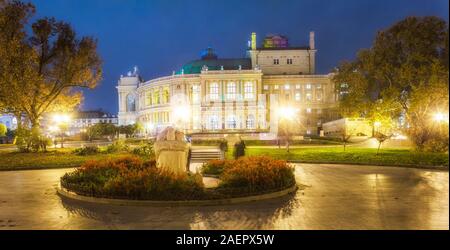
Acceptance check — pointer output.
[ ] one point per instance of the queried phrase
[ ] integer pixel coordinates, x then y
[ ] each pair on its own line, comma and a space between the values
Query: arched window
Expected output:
250, 123
166, 96
231, 122
214, 122
156, 100
131, 103
148, 98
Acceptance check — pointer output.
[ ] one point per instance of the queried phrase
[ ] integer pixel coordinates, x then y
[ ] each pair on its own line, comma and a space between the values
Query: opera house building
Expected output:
249, 95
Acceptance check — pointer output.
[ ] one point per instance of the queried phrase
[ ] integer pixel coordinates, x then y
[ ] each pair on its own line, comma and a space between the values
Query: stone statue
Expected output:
171, 150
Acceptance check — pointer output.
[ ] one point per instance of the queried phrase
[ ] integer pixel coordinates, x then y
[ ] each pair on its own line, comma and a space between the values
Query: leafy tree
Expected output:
129, 130
346, 135
380, 137
41, 70
3, 129
107, 129
407, 60
101, 130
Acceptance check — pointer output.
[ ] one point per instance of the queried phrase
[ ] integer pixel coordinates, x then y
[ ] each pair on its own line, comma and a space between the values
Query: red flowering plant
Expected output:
256, 174
132, 178
215, 167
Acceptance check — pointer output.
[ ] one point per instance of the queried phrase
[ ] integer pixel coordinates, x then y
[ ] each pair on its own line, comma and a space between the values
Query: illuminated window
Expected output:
287, 87
308, 86
231, 91
266, 87
308, 96
308, 110
166, 97
308, 132
156, 99
289, 61
248, 90
148, 98
131, 103
319, 95
214, 122
297, 86
196, 93
250, 123
214, 91
297, 96
275, 86
231, 122
319, 86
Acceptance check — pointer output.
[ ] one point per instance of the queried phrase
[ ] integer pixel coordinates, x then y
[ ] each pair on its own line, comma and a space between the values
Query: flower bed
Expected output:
133, 178
251, 174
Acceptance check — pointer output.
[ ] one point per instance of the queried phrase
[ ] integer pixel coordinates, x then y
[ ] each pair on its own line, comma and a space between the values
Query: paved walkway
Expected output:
334, 197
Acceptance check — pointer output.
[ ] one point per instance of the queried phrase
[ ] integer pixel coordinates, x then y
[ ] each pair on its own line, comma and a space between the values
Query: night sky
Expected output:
160, 36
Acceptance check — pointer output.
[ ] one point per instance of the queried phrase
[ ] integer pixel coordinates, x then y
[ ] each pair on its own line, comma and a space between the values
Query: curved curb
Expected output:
122, 202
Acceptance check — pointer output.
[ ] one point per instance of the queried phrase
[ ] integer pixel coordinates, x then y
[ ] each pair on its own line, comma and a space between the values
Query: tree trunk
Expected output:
379, 145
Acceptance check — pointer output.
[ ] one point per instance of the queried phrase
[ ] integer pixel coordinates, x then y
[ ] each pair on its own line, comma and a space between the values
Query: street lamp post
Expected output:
62, 123
286, 115
441, 120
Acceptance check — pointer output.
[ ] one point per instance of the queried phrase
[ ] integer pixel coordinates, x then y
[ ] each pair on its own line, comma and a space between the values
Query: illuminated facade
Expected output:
214, 95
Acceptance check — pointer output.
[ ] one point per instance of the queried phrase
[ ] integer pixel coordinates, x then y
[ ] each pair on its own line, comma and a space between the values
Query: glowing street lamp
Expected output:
288, 113
440, 117
182, 115
149, 127
61, 118
62, 122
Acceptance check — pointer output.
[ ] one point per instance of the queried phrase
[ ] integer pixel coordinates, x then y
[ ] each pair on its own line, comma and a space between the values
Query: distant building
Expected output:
9, 120
215, 95
348, 126
83, 119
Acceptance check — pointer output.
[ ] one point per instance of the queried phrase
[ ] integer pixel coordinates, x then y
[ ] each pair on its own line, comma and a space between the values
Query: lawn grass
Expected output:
368, 156
60, 158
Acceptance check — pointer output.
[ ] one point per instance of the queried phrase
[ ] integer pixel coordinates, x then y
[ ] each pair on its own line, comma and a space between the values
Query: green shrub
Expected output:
256, 174
86, 150
133, 178
3, 129
439, 144
28, 140
117, 146
214, 167
144, 149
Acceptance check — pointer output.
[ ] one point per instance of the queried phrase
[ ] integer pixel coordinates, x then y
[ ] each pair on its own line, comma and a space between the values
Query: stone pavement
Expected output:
332, 197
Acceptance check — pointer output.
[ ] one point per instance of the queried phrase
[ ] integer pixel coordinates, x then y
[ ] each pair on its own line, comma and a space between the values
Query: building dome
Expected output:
210, 60
208, 54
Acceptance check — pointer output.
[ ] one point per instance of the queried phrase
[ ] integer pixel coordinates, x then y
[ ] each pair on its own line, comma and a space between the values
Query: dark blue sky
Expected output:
159, 36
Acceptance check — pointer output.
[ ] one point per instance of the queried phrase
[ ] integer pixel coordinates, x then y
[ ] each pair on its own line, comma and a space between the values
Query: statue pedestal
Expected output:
172, 155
